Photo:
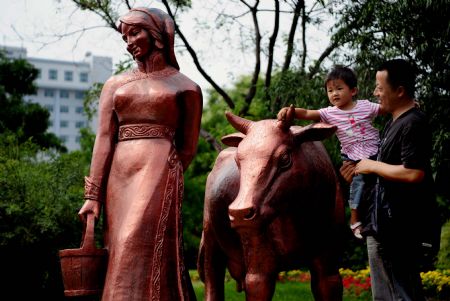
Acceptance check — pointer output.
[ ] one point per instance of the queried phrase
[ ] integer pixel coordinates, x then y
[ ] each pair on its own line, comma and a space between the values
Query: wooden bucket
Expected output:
83, 269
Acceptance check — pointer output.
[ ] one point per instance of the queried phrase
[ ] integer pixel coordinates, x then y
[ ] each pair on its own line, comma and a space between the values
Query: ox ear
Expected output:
313, 132
233, 139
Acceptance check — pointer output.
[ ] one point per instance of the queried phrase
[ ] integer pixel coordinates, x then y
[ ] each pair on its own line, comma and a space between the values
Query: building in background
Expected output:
61, 87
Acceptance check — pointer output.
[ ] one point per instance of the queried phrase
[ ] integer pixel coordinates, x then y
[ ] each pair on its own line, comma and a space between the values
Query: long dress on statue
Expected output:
144, 187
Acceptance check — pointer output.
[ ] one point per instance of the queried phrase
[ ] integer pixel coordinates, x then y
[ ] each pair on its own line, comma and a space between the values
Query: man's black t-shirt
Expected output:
405, 209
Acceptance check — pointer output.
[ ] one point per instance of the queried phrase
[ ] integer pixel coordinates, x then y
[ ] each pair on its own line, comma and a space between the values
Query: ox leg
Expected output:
211, 266
261, 267
326, 282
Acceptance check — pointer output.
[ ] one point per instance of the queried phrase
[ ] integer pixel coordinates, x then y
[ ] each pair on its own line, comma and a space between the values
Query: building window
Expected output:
79, 124
49, 108
78, 139
68, 76
63, 123
53, 74
79, 94
49, 93
63, 138
83, 77
50, 123
64, 94
64, 109
79, 110
39, 74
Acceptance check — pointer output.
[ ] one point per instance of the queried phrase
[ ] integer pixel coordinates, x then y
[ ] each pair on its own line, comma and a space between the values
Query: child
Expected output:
358, 138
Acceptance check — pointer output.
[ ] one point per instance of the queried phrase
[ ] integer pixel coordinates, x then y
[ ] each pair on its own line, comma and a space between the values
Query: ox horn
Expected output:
239, 123
287, 119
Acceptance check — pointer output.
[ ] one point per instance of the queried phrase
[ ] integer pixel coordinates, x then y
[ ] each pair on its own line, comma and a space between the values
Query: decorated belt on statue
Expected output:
145, 130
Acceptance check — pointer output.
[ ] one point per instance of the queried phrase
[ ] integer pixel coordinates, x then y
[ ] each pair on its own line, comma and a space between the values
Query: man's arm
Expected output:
397, 173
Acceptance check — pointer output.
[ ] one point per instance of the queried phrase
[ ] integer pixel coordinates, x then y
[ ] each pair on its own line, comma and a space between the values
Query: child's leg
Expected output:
354, 216
356, 190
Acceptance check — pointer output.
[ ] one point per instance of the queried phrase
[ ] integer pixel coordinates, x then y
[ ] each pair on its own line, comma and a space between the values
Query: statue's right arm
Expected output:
103, 151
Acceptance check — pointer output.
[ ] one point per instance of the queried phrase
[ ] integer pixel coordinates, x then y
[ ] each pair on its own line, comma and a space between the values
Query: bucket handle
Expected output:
87, 239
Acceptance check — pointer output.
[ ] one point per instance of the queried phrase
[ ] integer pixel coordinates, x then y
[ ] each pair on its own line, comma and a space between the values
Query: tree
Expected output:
39, 200
367, 32
420, 32
244, 17
26, 120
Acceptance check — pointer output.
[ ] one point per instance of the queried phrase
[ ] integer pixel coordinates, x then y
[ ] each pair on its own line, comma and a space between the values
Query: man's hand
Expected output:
365, 166
347, 171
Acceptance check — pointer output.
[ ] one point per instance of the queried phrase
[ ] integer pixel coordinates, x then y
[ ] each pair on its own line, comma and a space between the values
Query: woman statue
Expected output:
149, 121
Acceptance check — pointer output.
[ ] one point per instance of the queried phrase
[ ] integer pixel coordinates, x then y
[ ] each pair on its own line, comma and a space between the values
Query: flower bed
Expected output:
436, 284
356, 283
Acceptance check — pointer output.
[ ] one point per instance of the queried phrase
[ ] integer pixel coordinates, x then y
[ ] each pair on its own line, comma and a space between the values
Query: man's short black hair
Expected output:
400, 73
345, 74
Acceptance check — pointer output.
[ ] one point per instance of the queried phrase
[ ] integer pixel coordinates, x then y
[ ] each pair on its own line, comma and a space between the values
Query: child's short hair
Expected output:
345, 74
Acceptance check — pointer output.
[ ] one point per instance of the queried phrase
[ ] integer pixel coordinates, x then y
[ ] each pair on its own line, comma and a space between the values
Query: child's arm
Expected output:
300, 113
305, 114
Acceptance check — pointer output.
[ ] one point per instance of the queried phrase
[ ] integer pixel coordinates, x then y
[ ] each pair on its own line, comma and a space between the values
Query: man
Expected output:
404, 197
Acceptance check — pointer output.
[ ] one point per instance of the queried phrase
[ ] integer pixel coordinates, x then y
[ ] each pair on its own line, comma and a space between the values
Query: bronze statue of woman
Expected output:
149, 121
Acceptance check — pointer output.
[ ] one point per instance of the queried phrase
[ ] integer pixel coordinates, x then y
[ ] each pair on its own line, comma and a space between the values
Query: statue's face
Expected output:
138, 41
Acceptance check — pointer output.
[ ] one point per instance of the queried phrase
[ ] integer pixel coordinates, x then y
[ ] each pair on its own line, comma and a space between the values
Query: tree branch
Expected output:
100, 8
314, 69
290, 43
193, 54
305, 50
272, 41
211, 140
252, 91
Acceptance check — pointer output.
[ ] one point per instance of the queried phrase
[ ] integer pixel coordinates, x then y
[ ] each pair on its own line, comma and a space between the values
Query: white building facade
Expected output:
62, 86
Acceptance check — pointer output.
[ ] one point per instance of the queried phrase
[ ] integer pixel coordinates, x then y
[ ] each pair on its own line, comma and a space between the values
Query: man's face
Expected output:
387, 97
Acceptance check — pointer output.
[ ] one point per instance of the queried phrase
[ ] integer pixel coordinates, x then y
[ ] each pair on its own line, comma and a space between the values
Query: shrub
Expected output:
436, 284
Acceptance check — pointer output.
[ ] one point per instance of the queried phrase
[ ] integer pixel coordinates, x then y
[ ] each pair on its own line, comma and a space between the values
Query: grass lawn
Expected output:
285, 291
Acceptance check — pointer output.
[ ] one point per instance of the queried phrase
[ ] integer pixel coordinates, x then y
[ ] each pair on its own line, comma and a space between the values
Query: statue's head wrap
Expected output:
159, 25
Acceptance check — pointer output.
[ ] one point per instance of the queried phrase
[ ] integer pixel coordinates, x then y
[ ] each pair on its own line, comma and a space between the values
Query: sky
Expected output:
38, 26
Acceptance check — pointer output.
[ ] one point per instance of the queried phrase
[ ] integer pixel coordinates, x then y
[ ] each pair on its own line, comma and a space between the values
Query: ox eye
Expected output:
285, 160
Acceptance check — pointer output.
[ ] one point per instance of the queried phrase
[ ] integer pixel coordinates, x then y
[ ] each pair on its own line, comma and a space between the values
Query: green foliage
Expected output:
293, 285
39, 199
295, 87
194, 192
90, 100
284, 291
25, 120
124, 65
182, 4
443, 261
105, 8
416, 30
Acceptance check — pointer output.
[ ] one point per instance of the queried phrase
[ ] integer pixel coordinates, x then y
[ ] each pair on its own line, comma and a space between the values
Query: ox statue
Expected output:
272, 203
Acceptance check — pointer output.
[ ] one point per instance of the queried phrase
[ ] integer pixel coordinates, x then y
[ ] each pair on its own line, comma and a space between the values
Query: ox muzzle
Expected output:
243, 217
